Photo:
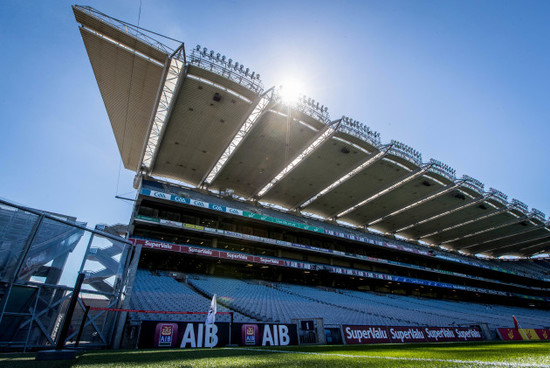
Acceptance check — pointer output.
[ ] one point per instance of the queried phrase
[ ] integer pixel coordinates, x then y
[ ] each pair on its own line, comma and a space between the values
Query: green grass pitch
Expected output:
488, 354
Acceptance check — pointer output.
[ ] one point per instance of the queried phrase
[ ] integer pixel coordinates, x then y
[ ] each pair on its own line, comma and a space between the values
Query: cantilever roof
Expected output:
214, 126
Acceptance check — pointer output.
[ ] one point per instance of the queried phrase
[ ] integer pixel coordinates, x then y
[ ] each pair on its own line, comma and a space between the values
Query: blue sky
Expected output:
464, 82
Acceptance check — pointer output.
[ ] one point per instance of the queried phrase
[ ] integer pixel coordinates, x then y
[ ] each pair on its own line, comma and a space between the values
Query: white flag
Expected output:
211, 317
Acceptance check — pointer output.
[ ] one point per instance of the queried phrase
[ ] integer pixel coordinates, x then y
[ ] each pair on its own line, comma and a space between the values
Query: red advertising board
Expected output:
523, 334
509, 334
236, 256
359, 334
543, 334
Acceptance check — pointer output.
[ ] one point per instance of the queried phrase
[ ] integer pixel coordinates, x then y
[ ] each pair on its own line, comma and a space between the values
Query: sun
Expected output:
290, 91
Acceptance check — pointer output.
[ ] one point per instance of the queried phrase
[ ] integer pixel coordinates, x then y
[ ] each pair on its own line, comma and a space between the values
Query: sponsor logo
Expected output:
356, 334
201, 336
165, 338
440, 333
237, 256
160, 195
151, 244
467, 334
275, 335
165, 334
250, 334
198, 203
194, 227
269, 260
218, 208
170, 223
407, 334
201, 251
180, 199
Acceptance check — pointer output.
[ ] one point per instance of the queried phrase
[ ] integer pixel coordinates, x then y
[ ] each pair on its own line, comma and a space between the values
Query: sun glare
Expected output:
290, 91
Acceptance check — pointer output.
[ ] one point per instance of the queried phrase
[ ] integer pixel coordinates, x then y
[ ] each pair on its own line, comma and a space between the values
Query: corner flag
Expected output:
211, 317
516, 324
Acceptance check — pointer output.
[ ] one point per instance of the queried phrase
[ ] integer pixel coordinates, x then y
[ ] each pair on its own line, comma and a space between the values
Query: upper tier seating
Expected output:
516, 267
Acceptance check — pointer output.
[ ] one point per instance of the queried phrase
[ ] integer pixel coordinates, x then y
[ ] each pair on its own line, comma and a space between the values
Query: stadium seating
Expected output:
280, 302
163, 293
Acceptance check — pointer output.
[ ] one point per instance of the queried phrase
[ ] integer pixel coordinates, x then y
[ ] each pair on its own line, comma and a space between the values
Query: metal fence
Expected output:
41, 255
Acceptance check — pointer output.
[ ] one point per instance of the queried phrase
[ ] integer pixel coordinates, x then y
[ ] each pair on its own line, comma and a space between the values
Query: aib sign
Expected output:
166, 335
250, 335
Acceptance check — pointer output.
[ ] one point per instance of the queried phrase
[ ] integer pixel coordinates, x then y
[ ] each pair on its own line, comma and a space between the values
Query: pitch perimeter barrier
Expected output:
362, 334
159, 334
523, 334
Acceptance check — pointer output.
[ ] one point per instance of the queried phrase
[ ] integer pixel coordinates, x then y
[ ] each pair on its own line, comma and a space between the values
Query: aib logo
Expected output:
250, 334
165, 334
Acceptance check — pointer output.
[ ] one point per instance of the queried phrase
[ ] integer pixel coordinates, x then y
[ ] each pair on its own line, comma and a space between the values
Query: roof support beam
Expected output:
417, 203
534, 249
263, 103
175, 74
479, 246
413, 175
370, 161
322, 136
507, 223
513, 246
495, 212
480, 199
540, 244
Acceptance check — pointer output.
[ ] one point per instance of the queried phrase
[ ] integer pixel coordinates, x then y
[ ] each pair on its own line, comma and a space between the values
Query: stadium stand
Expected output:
342, 229
282, 302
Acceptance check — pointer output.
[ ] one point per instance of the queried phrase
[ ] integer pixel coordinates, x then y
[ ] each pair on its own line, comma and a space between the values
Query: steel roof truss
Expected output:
417, 203
481, 248
507, 223
413, 175
172, 83
349, 175
480, 199
496, 212
263, 105
323, 135
480, 245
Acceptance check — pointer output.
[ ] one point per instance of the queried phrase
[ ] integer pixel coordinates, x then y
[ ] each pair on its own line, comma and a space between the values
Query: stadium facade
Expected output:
308, 229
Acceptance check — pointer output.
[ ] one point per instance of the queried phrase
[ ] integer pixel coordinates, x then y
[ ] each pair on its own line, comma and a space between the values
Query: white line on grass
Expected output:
478, 362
